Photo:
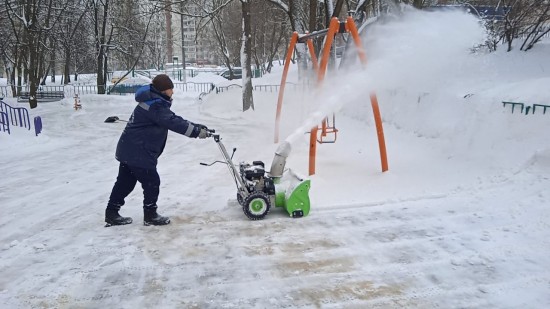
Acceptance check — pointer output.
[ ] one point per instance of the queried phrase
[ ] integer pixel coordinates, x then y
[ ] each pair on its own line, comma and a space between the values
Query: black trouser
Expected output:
126, 181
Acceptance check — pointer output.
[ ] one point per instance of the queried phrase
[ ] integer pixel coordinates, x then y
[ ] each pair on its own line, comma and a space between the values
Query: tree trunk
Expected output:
67, 69
33, 69
274, 47
52, 60
246, 52
101, 82
12, 82
19, 75
100, 33
418, 4
337, 8
14, 67
33, 81
312, 15
169, 47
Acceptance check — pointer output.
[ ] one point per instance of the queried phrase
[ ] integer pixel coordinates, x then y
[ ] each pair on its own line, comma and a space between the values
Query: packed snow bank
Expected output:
207, 77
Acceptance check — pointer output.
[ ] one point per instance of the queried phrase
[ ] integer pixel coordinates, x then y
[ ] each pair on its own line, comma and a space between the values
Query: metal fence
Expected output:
267, 88
18, 116
195, 87
288, 86
5, 92
71, 90
4, 123
526, 108
225, 88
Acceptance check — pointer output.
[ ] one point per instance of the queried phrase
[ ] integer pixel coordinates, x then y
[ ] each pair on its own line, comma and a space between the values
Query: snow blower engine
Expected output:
257, 190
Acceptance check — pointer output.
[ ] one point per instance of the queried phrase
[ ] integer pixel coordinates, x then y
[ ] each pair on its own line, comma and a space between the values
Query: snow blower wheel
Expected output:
256, 205
240, 199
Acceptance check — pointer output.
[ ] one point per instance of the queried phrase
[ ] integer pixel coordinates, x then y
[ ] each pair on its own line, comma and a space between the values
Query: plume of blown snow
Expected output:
416, 50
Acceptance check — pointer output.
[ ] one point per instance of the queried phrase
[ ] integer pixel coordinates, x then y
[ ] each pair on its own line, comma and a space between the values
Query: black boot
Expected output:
113, 218
151, 217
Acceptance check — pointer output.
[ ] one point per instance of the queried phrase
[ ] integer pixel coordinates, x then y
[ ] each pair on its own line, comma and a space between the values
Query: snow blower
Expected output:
257, 190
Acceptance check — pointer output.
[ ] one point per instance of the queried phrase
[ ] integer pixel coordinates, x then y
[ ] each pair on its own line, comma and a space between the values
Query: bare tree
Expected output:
13, 49
35, 20
246, 53
223, 18
539, 25
102, 41
297, 11
526, 19
270, 28
155, 53
169, 40
69, 30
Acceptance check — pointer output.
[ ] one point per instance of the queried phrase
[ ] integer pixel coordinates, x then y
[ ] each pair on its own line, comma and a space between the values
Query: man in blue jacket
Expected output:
139, 147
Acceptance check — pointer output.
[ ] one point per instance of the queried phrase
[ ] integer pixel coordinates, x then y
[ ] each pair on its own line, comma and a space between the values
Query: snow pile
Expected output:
207, 77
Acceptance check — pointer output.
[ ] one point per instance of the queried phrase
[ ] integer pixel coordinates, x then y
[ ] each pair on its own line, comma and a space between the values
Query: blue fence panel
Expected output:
18, 116
37, 125
4, 122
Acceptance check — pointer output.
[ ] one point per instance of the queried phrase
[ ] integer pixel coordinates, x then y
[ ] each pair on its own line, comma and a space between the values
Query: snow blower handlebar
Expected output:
239, 182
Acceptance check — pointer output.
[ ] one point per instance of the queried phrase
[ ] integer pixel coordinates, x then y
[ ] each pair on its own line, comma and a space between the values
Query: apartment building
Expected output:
186, 45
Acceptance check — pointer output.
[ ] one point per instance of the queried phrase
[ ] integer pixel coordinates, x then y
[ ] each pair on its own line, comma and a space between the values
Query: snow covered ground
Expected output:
460, 220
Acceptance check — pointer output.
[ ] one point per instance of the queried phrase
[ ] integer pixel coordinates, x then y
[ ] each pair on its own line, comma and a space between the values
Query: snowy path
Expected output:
438, 252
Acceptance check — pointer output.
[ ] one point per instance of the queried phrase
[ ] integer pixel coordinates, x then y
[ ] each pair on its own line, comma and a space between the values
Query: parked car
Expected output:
117, 75
237, 73
129, 85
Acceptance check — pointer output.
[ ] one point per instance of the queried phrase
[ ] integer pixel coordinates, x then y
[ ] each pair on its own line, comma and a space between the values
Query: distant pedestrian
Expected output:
139, 147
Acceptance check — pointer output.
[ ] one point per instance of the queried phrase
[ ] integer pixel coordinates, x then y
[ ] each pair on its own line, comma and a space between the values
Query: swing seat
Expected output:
328, 133
328, 136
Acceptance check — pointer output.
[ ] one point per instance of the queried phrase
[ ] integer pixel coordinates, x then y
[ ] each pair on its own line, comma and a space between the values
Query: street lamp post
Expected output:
183, 42
175, 61
105, 59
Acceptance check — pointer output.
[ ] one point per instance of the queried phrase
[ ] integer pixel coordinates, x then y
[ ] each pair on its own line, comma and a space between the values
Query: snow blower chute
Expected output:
257, 190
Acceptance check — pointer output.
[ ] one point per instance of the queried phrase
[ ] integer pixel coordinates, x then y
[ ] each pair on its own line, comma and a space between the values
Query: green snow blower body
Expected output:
261, 191
292, 191
295, 199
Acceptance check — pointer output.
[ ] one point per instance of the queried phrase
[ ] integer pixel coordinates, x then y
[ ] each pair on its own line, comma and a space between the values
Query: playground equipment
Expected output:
4, 122
257, 190
77, 104
326, 129
17, 116
37, 125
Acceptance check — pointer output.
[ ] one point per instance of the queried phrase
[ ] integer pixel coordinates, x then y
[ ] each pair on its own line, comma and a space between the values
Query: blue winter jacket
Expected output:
144, 137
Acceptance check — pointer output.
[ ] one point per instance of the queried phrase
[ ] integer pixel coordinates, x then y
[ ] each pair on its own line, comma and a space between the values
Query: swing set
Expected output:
321, 134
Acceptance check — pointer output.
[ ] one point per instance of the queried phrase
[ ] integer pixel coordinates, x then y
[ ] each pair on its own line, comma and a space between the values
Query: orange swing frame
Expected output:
335, 27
